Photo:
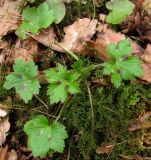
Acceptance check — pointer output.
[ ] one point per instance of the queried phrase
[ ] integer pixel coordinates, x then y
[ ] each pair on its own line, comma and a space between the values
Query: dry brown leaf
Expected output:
146, 57
142, 122
3, 152
4, 128
146, 5
23, 50
3, 49
78, 33
110, 36
105, 148
8, 16
47, 38
11, 155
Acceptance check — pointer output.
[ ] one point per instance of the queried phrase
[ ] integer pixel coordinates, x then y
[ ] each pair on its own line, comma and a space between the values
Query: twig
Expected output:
91, 105
41, 101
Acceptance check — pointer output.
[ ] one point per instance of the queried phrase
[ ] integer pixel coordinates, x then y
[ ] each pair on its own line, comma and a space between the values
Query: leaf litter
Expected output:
79, 37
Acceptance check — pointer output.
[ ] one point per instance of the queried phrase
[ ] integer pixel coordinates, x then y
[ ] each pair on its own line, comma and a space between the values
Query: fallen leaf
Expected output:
11, 155
146, 5
146, 57
142, 122
3, 49
110, 36
47, 38
105, 148
3, 113
23, 50
146, 141
8, 16
78, 33
3, 152
4, 128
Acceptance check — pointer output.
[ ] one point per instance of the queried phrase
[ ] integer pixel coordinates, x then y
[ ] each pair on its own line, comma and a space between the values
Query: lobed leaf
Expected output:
119, 10
43, 138
23, 79
61, 82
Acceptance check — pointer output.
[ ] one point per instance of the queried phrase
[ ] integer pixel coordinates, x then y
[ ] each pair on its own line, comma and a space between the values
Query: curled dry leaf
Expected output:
105, 148
78, 33
4, 128
8, 16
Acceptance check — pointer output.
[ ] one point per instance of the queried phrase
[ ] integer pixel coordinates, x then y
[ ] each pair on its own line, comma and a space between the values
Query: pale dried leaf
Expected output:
76, 34
8, 16
12, 155
3, 48
105, 148
146, 57
142, 122
4, 128
3, 152
146, 5
146, 140
3, 113
47, 38
23, 50
110, 36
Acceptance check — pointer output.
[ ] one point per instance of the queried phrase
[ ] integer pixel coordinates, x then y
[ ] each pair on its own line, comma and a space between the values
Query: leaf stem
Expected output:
41, 101
66, 104
68, 51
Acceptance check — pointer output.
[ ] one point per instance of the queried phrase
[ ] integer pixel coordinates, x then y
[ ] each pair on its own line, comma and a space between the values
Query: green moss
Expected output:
114, 111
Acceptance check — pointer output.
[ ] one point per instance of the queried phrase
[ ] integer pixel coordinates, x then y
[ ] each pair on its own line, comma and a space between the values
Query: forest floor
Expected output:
103, 122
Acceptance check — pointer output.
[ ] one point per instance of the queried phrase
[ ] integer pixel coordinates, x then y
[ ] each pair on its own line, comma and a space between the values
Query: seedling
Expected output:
61, 82
122, 64
24, 79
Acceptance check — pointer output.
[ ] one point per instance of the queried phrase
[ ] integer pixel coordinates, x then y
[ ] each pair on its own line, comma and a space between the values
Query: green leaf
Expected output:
58, 8
61, 82
41, 17
35, 19
116, 79
119, 10
43, 138
122, 65
109, 68
120, 50
131, 68
23, 79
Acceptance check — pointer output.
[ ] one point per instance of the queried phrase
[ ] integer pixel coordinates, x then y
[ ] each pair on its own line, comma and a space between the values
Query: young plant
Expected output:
43, 137
61, 83
24, 79
122, 64
119, 10
41, 17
